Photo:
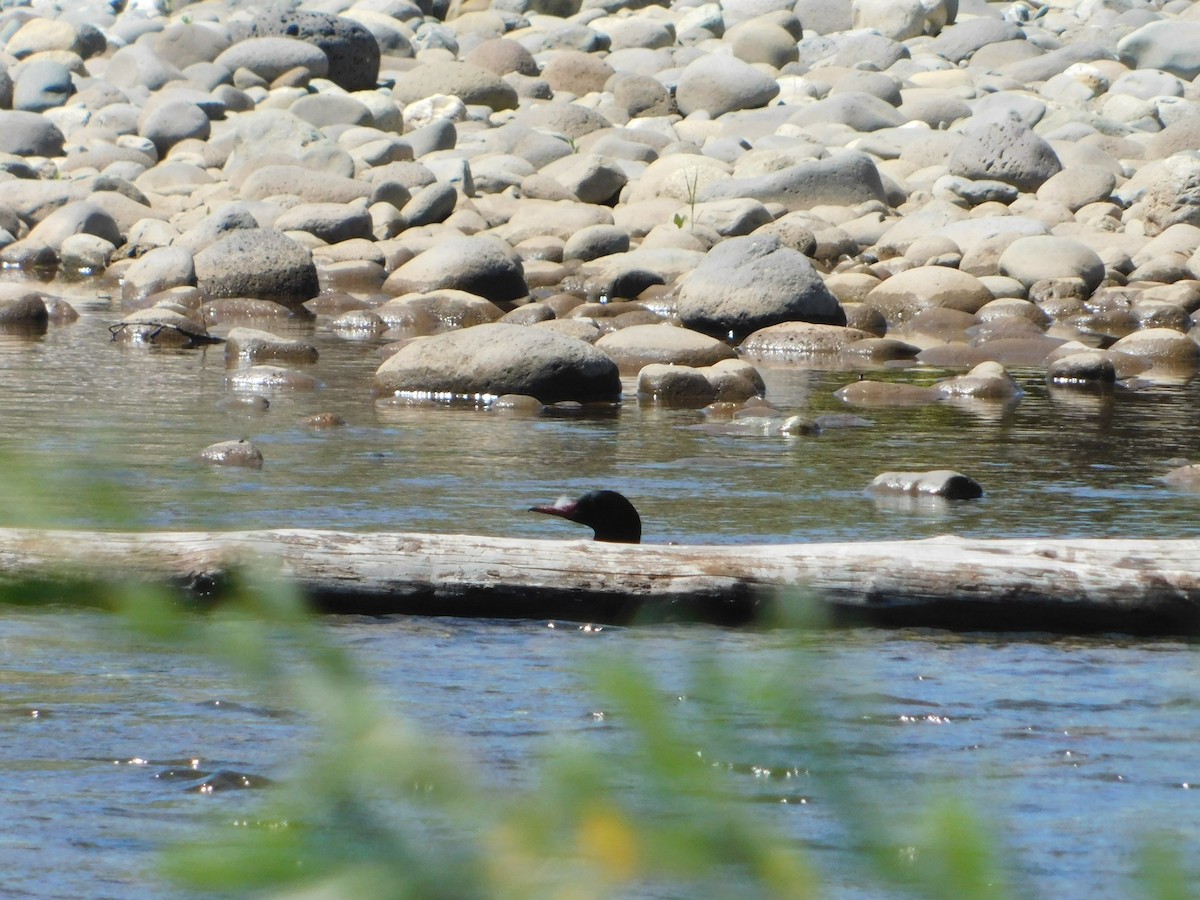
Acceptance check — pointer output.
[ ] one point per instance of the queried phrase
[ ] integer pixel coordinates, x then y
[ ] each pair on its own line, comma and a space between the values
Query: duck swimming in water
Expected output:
609, 514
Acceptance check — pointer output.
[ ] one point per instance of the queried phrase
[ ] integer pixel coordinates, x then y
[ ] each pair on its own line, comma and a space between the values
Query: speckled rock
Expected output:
1008, 151
242, 454
260, 263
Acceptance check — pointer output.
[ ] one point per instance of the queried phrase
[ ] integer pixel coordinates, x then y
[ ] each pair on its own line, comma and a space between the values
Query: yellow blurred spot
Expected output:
606, 838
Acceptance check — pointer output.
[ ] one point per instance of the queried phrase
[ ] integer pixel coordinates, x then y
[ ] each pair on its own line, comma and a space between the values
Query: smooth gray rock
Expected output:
1036, 258
137, 66
27, 311
309, 185
906, 293
331, 222
737, 11
596, 241
1163, 348
323, 110
591, 178
718, 84
640, 345
855, 109
471, 84
576, 72
987, 381
1169, 44
156, 271
498, 359
216, 225
24, 133
962, 39
675, 386
42, 84
484, 266
78, 217
275, 133
270, 57
351, 50
1084, 368
501, 56
903, 19
845, 178
172, 121
1047, 65
259, 263
255, 347
748, 283
430, 205
188, 43
790, 341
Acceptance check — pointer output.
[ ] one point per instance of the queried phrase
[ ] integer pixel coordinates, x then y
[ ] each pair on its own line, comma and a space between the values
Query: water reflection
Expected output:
1058, 462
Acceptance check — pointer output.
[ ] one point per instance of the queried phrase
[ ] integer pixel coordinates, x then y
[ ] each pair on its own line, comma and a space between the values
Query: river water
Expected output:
1075, 749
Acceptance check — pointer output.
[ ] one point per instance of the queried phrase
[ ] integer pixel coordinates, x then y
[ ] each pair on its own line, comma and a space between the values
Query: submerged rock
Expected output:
233, 453
944, 483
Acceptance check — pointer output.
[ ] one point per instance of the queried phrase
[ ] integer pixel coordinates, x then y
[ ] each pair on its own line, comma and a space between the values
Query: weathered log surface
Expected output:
1145, 586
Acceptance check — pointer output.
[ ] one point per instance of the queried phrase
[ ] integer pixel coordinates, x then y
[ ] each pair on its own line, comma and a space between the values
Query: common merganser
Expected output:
609, 514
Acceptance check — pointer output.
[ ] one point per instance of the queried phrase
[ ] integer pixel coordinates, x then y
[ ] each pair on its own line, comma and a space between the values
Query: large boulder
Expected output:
748, 283
484, 266
499, 358
259, 263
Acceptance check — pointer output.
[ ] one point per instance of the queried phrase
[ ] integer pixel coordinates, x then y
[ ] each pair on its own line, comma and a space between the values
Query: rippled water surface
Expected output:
1076, 748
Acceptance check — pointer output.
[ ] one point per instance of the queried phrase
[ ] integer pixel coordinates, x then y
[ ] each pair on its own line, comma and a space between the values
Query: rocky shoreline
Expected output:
529, 199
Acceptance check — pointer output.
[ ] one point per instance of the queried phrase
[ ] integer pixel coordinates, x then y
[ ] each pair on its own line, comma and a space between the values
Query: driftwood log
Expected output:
1064, 585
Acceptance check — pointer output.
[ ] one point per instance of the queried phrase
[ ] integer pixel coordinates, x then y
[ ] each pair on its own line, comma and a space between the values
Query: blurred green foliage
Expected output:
379, 809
